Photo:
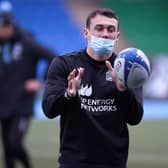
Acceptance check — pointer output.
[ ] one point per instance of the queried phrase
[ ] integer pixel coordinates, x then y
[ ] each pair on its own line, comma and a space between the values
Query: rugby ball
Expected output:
132, 67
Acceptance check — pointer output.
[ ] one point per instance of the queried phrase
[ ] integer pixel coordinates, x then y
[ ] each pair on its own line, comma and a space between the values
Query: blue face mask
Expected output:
102, 46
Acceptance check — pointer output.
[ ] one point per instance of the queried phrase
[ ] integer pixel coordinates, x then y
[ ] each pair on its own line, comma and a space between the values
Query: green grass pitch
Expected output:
148, 144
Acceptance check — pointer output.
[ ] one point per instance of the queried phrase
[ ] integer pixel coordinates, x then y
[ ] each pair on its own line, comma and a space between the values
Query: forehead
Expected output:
103, 20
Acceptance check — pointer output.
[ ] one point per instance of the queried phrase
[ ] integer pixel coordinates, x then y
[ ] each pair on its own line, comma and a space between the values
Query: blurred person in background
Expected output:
19, 55
93, 105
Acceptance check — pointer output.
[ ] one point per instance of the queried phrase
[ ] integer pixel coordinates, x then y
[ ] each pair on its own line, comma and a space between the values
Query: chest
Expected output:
96, 82
11, 52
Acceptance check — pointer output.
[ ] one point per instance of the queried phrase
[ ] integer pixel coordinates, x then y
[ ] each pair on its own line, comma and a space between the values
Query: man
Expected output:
19, 55
94, 107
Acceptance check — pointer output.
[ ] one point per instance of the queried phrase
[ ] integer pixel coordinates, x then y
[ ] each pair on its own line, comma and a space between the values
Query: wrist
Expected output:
120, 86
67, 95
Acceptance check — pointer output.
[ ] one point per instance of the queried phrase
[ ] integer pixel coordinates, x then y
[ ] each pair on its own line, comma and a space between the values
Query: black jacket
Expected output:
24, 53
94, 131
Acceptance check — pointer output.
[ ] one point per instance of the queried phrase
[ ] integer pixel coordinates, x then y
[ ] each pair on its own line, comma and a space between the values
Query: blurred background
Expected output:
59, 25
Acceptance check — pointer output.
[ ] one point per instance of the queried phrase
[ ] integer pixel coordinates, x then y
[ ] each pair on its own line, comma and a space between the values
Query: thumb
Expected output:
108, 65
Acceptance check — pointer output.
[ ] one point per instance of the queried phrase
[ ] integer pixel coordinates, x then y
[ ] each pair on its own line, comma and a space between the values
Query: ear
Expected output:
85, 33
118, 35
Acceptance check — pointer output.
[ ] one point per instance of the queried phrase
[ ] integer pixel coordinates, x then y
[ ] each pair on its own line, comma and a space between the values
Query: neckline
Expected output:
88, 58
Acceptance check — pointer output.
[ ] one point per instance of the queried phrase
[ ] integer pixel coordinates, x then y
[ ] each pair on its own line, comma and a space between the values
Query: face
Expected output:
6, 32
104, 27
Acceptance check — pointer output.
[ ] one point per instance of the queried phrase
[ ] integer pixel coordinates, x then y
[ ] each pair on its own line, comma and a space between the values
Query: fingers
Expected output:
111, 70
119, 85
80, 74
108, 65
72, 75
32, 85
78, 78
74, 81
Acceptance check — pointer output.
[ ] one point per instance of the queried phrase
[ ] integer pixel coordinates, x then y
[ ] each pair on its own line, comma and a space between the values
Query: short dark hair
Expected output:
101, 11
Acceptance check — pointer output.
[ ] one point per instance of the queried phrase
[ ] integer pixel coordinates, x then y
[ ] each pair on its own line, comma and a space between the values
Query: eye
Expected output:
111, 29
99, 28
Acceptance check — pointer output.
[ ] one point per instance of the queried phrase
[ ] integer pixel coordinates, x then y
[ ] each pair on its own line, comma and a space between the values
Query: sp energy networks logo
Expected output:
89, 103
85, 90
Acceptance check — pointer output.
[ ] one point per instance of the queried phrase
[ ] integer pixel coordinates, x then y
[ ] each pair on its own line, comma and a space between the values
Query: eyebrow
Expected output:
104, 26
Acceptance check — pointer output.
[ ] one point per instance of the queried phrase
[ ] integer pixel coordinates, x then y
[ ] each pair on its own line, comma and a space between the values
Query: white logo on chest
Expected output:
85, 90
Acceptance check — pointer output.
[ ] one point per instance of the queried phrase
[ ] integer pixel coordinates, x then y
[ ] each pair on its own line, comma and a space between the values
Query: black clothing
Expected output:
94, 131
19, 56
25, 53
13, 131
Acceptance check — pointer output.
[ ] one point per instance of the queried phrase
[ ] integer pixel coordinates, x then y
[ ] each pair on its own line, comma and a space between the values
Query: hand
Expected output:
32, 85
74, 81
118, 83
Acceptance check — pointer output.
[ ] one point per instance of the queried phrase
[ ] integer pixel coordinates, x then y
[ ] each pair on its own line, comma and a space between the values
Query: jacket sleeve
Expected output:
38, 52
133, 103
53, 101
37, 49
42, 52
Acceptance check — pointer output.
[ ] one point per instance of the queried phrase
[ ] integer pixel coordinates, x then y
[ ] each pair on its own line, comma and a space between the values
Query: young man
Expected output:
94, 107
19, 55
